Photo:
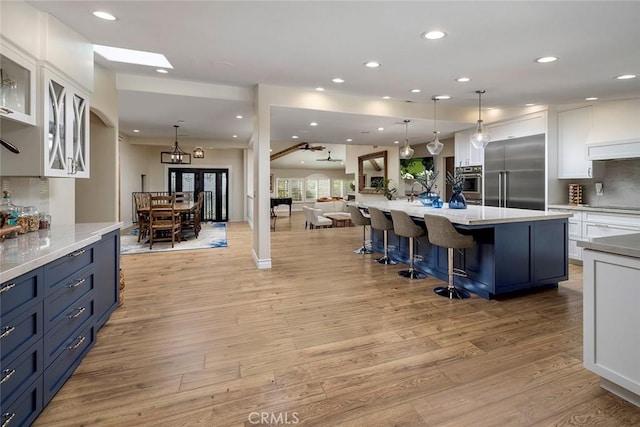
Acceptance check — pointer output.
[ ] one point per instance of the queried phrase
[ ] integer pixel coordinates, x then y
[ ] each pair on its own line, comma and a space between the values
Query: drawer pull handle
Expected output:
77, 283
6, 374
78, 312
7, 330
77, 253
6, 418
7, 287
76, 345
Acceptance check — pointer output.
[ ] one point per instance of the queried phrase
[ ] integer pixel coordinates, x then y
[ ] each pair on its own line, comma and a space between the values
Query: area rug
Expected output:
212, 235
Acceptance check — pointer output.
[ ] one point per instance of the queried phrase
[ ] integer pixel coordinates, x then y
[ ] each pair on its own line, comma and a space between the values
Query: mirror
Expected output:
372, 169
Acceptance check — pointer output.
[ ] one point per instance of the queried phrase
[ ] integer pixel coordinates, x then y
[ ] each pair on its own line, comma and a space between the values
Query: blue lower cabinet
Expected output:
25, 408
61, 369
23, 291
58, 306
19, 374
20, 332
75, 318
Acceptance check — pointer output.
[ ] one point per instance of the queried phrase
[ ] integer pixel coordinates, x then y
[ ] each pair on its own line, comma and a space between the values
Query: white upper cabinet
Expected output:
530, 124
465, 153
574, 127
18, 86
66, 128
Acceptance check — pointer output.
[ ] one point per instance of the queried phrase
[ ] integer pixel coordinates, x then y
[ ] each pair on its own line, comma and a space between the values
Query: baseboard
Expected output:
262, 264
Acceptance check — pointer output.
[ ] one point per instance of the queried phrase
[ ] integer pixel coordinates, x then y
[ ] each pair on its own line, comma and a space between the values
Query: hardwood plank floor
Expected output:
328, 338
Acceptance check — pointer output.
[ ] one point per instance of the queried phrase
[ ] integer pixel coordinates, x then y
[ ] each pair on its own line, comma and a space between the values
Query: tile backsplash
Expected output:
28, 191
620, 183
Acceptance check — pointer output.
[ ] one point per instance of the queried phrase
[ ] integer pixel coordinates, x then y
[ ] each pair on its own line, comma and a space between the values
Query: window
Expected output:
342, 187
316, 187
290, 187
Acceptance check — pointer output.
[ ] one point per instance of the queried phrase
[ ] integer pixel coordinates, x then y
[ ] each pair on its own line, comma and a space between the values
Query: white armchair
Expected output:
315, 219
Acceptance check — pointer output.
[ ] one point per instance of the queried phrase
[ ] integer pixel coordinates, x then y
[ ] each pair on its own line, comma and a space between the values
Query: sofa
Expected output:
335, 206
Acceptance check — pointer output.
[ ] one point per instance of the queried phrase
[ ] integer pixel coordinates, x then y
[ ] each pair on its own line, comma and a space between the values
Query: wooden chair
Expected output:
182, 196
164, 222
142, 201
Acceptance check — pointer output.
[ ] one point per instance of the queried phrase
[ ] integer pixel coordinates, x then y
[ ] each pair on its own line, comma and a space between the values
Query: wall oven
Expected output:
472, 184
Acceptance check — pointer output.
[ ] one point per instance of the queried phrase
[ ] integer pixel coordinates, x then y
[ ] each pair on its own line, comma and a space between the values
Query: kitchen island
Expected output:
515, 250
58, 287
611, 297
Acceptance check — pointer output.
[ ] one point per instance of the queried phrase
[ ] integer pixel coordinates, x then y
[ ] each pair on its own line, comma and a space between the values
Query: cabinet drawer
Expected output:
590, 230
20, 332
612, 219
575, 229
575, 252
62, 368
25, 409
56, 340
62, 268
63, 302
18, 294
18, 374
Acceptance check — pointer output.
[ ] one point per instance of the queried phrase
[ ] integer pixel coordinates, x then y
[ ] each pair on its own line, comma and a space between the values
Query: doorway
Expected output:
214, 183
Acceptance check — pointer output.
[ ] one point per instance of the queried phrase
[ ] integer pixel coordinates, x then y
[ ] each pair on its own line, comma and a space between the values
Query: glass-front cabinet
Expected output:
66, 128
17, 89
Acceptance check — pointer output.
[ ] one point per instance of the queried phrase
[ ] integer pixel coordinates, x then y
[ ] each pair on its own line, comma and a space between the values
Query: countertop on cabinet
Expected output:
625, 244
473, 215
32, 250
608, 209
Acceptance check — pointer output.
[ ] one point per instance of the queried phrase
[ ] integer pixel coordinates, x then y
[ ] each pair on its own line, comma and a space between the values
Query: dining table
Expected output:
183, 208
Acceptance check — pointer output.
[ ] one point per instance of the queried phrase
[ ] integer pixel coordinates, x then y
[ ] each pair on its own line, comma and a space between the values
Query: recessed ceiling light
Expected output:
161, 71
349, 140
301, 161
529, 105
294, 137
320, 89
130, 56
380, 128
239, 116
591, 98
235, 136
415, 91
433, 35
270, 150
626, 76
337, 80
546, 59
396, 142
463, 79
372, 64
104, 15
136, 130
386, 97
313, 124
439, 97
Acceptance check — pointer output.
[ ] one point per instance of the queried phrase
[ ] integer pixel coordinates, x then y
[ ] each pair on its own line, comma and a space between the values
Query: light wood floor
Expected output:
328, 338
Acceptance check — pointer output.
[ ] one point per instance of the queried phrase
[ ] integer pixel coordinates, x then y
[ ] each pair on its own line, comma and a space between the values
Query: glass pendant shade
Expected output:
435, 146
480, 137
406, 152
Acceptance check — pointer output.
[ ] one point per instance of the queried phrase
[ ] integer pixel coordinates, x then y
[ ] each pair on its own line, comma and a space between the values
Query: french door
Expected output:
214, 183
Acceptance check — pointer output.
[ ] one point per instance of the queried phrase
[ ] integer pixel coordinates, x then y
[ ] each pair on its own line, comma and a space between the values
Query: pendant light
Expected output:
177, 156
406, 152
481, 137
435, 146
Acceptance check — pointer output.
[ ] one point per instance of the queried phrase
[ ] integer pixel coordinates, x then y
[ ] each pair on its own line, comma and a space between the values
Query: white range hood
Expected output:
615, 133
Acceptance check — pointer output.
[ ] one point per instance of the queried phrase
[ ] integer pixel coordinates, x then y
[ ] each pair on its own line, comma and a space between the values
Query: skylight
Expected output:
131, 56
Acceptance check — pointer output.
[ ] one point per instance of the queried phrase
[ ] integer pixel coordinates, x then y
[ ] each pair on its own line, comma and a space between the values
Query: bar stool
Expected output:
379, 221
357, 218
404, 226
442, 233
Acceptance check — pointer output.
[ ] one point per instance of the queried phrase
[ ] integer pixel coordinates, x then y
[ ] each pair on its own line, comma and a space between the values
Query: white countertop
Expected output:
32, 250
473, 215
625, 244
609, 209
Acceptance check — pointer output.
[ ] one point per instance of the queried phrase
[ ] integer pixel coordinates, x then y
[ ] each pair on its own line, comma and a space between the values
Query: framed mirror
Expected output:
372, 169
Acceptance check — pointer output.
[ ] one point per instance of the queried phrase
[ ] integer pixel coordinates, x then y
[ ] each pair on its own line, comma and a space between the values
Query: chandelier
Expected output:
177, 156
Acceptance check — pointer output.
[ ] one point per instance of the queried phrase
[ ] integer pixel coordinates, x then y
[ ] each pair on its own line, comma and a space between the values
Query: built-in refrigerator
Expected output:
514, 173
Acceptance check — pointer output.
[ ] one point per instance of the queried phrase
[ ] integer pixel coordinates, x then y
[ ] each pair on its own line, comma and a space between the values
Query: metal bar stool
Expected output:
357, 218
404, 226
379, 221
442, 233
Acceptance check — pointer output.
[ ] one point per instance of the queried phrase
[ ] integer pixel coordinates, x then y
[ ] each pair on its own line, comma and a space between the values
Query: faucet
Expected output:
412, 195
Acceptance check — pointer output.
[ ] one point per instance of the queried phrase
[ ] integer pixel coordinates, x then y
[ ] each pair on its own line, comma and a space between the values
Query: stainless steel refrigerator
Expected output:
514, 173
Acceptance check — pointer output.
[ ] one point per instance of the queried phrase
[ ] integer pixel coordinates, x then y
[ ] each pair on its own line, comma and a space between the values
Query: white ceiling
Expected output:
305, 44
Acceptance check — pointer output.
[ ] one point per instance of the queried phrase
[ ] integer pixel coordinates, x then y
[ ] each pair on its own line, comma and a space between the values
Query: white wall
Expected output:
133, 164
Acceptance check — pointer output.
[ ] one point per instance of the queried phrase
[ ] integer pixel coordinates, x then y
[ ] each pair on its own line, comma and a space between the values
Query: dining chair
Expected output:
164, 221
182, 196
142, 201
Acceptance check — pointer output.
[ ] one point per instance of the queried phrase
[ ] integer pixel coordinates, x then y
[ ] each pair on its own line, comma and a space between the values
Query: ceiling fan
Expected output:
328, 159
308, 146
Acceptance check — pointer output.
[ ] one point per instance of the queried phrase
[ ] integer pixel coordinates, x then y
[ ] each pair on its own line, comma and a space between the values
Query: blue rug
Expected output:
212, 235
